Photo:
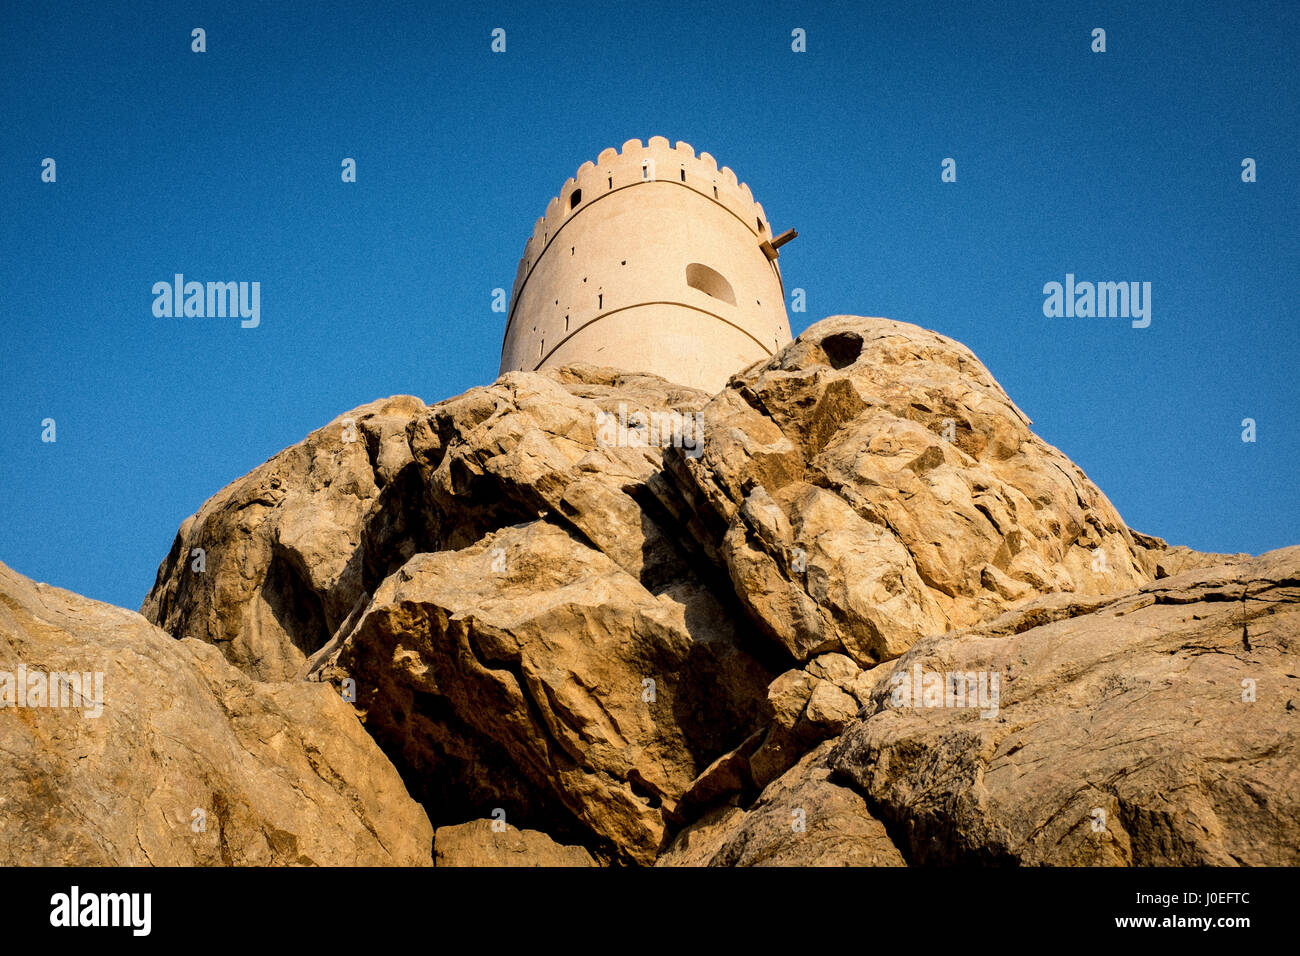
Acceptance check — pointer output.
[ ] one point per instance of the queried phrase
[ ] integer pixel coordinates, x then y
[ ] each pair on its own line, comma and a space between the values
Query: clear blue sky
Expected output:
225, 166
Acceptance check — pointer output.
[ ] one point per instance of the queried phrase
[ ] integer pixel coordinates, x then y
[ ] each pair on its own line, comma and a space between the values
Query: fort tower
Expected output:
651, 259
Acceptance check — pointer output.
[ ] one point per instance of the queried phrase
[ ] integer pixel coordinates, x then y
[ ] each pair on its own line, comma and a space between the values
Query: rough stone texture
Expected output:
477, 844
529, 445
524, 449
1163, 560
700, 842
284, 772
804, 707
500, 581
513, 673
1132, 704
872, 484
295, 544
802, 819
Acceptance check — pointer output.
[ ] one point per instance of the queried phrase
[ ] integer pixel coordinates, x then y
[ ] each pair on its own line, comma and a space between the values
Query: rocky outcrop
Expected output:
172, 757
514, 504
652, 653
1156, 727
296, 547
872, 484
1160, 726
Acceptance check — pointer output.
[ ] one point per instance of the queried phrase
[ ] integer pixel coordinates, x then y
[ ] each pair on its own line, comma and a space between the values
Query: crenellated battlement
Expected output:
653, 259
639, 165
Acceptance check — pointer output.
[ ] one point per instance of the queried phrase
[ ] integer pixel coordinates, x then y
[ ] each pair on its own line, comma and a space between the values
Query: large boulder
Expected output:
872, 484
175, 758
530, 672
1156, 727
563, 445
292, 551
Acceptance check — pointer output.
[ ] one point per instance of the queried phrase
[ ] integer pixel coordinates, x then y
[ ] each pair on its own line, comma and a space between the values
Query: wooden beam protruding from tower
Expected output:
770, 247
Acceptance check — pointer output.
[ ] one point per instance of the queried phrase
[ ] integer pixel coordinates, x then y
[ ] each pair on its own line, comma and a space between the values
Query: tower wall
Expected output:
648, 260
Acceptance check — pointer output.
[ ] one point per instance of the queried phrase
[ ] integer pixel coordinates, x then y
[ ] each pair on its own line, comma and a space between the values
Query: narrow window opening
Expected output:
710, 282
645, 170
611, 182
575, 199
715, 190
683, 174
600, 301
566, 323
760, 225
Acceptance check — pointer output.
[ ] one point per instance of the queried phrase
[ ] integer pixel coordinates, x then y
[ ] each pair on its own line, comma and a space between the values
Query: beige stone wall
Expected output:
649, 260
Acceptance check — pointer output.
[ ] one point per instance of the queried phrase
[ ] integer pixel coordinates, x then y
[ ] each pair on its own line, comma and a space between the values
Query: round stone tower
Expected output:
652, 260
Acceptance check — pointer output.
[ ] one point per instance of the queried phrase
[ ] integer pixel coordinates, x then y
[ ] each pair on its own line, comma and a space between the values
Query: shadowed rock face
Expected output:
659, 656
283, 774
514, 674
803, 819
